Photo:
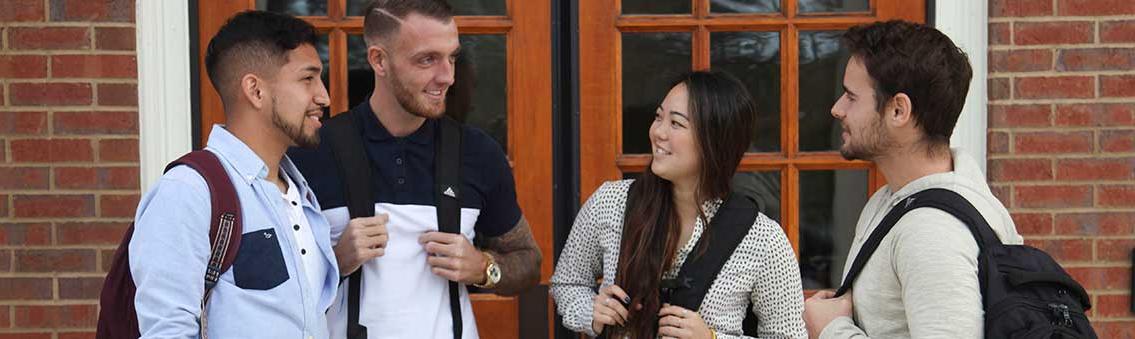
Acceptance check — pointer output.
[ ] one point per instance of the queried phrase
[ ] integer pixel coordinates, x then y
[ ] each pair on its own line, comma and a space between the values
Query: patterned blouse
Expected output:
762, 271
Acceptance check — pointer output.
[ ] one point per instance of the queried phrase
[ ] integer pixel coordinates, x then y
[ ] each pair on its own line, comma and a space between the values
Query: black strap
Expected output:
344, 135
942, 199
447, 168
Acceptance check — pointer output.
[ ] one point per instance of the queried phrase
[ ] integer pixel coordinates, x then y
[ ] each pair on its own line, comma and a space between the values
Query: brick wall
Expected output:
68, 158
1062, 139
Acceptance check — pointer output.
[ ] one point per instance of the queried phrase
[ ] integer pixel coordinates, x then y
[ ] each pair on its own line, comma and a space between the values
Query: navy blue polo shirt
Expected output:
403, 172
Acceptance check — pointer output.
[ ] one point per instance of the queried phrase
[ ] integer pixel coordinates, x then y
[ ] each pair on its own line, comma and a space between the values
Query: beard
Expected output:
294, 131
874, 141
409, 102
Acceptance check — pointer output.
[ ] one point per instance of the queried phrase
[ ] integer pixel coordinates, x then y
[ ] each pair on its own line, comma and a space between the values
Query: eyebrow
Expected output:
845, 89
312, 69
683, 115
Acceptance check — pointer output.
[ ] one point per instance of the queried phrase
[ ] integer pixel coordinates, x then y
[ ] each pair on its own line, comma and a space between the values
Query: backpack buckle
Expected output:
1061, 314
668, 287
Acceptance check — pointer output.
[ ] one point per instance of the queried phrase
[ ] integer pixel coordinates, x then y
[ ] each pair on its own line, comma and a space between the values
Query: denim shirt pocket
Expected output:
259, 263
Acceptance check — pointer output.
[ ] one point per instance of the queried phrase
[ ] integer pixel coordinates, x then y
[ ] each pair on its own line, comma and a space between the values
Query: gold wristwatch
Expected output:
492, 273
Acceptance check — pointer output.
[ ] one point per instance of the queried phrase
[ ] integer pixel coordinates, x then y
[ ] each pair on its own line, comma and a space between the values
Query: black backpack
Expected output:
1025, 293
344, 135
117, 316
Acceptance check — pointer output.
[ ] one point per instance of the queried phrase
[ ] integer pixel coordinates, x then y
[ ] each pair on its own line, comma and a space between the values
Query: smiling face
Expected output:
421, 65
672, 139
864, 135
298, 98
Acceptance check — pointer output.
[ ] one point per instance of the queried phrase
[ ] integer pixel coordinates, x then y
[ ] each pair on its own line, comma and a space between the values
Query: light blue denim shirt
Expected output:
265, 294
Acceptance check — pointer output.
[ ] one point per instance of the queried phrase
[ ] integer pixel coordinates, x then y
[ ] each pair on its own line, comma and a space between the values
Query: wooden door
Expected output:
787, 52
505, 66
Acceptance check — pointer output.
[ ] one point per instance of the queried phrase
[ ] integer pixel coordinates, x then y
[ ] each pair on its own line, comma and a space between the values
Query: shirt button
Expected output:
303, 252
398, 160
401, 181
294, 203
296, 227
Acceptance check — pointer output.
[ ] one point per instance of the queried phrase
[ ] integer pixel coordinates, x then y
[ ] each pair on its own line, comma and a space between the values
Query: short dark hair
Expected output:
253, 42
379, 25
923, 63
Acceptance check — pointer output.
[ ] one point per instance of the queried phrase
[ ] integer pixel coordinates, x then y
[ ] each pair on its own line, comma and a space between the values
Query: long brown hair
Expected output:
723, 114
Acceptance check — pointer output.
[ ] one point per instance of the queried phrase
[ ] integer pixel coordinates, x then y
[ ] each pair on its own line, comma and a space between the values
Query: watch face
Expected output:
494, 273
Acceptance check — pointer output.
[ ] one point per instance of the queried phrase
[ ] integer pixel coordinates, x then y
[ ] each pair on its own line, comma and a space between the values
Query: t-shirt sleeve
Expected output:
501, 212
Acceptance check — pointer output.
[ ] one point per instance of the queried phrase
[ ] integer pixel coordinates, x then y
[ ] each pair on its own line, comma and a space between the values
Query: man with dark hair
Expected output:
406, 265
904, 88
266, 70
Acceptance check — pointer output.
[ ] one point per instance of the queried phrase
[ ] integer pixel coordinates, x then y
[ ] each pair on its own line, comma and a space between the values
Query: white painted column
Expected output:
967, 23
164, 107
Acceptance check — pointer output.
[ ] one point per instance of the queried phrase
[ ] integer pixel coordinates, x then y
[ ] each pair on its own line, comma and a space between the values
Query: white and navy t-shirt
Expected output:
401, 298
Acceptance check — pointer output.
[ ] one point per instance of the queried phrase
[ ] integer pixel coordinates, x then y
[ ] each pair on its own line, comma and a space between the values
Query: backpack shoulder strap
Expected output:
946, 200
447, 179
725, 232
344, 135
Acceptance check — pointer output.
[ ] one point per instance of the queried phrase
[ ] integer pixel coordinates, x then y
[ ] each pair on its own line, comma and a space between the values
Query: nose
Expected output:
657, 132
445, 73
321, 97
837, 110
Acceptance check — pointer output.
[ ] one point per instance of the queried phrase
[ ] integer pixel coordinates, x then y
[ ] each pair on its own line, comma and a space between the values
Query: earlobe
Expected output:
251, 87
375, 57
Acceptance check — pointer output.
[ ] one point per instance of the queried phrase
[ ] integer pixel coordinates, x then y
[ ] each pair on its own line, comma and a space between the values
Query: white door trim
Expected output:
164, 97
967, 23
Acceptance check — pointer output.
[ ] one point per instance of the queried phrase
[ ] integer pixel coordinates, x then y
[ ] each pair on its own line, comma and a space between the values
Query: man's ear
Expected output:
379, 59
254, 89
899, 110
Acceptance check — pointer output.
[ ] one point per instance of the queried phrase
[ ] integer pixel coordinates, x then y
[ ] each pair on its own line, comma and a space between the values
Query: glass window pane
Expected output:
830, 202
833, 6
650, 62
478, 95
754, 58
822, 60
460, 7
324, 55
764, 187
656, 6
744, 6
294, 7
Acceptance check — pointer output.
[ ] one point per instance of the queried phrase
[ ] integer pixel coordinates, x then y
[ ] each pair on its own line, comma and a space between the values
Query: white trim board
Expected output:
967, 23
164, 117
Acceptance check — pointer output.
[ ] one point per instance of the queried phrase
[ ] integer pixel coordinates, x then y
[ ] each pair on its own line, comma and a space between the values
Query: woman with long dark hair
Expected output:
700, 132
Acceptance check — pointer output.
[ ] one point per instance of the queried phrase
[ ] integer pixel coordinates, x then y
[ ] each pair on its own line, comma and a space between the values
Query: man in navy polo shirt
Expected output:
406, 262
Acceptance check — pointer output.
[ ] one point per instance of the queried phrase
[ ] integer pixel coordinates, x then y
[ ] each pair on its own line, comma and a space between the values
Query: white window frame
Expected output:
164, 90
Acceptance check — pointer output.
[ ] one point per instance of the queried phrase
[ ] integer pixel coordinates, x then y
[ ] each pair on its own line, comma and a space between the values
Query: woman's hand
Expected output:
680, 323
609, 308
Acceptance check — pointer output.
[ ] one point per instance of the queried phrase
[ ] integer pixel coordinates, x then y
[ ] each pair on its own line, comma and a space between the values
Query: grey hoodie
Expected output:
922, 280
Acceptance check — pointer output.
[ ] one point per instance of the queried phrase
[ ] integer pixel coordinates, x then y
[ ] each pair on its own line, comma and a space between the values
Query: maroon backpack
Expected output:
117, 317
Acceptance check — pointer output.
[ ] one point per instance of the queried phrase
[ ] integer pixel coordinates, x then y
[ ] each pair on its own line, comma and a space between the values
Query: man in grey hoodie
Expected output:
904, 88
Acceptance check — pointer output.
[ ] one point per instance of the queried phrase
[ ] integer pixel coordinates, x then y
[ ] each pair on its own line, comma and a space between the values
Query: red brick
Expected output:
49, 38
50, 94
1096, 59
1019, 115
1053, 196
25, 335
997, 142
25, 289
94, 66
24, 178
1057, 87
53, 206
52, 150
1029, 224
1020, 60
1101, 278
32, 234
1095, 7
5, 261
5, 316
999, 33
23, 66
1018, 8
118, 150
1095, 224
1095, 169
96, 177
23, 123
1100, 115
76, 335
118, 95
1117, 31
1053, 142
21, 10
115, 38
1064, 250
121, 206
1117, 85
83, 10
1114, 250
1050, 33
1113, 306
107, 259
81, 123
3, 206
1003, 193
61, 316
1004, 170
1116, 195
80, 288
1122, 329
999, 89
1117, 141
55, 260
93, 233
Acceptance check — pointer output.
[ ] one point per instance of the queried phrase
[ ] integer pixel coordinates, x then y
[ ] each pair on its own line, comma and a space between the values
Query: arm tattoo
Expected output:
518, 257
